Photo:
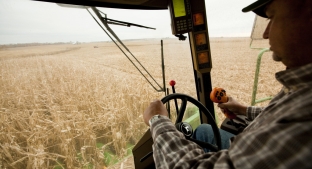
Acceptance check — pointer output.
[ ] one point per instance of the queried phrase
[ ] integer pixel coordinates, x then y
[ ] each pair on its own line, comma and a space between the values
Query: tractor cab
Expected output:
188, 23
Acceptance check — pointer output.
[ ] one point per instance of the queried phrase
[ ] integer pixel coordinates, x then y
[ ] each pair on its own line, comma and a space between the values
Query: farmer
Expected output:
280, 134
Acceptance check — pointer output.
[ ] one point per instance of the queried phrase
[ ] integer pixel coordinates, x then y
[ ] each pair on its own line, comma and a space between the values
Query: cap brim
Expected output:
257, 7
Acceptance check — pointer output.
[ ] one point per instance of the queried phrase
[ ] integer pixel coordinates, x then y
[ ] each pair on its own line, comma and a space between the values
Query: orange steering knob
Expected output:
218, 95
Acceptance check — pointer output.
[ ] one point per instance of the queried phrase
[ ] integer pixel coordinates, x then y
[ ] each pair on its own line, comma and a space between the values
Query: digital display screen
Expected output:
179, 8
200, 39
203, 58
198, 19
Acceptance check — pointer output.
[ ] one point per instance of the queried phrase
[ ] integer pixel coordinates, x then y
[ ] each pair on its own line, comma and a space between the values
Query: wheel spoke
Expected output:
182, 110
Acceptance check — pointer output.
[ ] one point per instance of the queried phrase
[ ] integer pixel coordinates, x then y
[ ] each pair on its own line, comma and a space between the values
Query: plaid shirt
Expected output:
280, 136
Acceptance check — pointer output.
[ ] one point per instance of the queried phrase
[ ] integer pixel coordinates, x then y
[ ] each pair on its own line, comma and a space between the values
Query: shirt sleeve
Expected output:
270, 147
171, 149
253, 111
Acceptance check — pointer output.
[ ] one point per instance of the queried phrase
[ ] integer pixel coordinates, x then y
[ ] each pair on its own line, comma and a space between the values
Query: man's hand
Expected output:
155, 107
233, 106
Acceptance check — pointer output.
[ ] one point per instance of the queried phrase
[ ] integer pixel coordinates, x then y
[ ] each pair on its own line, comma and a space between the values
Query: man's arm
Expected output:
172, 150
237, 108
279, 145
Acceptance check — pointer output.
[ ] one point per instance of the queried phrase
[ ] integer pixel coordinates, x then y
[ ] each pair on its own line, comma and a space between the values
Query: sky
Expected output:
25, 21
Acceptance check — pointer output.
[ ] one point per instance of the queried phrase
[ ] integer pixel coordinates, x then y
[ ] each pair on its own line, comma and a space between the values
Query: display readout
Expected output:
178, 8
203, 58
198, 19
200, 39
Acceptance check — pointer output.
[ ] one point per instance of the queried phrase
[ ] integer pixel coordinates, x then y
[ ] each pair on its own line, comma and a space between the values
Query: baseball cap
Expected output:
257, 7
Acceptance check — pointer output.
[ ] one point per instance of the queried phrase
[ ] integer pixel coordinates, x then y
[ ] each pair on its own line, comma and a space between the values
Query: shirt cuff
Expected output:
153, 119
161, 125
253, 111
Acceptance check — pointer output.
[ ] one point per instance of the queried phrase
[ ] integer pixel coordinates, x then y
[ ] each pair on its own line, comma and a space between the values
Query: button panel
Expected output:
183, 25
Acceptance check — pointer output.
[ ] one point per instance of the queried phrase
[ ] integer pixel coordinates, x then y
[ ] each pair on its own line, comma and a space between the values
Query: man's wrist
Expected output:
244, 110
153, 119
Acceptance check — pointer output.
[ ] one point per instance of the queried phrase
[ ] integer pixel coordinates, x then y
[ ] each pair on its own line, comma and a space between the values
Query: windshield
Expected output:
71, 99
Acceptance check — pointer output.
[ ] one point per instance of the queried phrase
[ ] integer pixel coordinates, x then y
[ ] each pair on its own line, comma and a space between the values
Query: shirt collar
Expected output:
295, 78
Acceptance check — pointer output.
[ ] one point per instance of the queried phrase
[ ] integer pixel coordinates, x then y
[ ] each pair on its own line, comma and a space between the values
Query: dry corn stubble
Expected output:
57, 106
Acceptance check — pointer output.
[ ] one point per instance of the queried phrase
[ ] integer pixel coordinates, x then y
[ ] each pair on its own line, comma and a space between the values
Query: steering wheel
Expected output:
185, 98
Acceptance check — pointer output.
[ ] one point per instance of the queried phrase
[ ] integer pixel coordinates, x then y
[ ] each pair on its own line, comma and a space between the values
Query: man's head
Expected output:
289, 30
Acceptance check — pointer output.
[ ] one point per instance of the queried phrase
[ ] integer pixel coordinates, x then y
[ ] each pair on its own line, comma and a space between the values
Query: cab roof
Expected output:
122, 4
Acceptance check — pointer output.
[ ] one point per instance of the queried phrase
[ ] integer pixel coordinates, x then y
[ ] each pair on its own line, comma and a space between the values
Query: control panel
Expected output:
189, 16
181, 19
199, 39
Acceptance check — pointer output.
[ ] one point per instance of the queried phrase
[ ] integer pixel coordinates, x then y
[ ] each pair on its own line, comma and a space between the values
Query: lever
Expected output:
172, 83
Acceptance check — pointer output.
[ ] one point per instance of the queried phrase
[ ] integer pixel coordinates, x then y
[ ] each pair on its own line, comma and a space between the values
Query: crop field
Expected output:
81, 105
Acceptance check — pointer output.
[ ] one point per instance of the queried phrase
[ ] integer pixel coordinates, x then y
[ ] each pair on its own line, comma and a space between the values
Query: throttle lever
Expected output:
172, 83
